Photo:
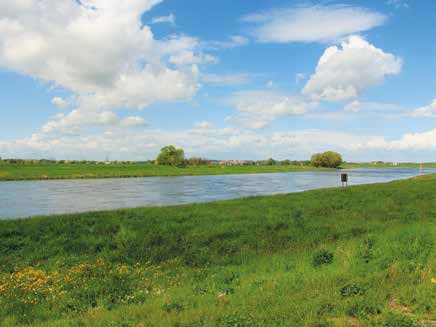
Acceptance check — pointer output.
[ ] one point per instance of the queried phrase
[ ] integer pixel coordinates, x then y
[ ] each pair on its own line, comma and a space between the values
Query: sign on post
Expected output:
344, 179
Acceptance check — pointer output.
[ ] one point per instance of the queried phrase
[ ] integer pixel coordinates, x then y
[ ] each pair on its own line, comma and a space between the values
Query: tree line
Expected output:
172, 156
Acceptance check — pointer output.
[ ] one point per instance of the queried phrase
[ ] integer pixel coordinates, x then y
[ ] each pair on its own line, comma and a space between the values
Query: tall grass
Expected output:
337, 257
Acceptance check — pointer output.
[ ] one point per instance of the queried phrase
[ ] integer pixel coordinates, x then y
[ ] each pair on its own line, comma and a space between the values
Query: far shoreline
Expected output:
51, 171
10, 172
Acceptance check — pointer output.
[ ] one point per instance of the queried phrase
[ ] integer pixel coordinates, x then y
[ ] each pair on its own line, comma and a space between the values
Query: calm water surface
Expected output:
30, 198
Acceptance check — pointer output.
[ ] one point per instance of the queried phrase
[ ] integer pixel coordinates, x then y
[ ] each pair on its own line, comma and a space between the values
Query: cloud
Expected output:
59, 102
203, 124
100, 51
424, 141
357, 106
232, 42
190, 57
132, 121
222, 143
398, 3
202, 140
299, 77
77, 121
259, 108
312, 23
226, 79
361, 110
170, 19
426, 111
343, 73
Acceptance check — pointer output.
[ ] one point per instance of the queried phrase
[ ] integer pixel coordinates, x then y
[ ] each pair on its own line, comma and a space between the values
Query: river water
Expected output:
31, 198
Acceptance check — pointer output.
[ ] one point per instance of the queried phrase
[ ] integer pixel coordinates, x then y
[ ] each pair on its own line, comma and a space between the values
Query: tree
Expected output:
171, 156
327, 159
196, 161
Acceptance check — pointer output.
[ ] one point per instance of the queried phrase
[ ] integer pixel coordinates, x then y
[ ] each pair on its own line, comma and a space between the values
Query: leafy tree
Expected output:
171, 156
327, 159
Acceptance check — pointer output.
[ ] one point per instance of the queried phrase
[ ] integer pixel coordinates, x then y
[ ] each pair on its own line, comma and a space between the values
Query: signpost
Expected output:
344, 180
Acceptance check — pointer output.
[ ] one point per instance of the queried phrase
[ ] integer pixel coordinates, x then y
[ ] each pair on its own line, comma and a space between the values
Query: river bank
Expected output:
334, 257
44, 171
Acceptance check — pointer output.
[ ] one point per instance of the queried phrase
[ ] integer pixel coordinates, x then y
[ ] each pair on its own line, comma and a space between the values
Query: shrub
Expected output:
394, 319
322, 257
237, 320
197, 162
173, 307
352, 290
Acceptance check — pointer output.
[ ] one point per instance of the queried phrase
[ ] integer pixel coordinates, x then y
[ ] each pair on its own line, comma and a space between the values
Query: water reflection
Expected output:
30, 198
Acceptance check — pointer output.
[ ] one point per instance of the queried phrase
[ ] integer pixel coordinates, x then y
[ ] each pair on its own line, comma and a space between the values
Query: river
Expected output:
31, 198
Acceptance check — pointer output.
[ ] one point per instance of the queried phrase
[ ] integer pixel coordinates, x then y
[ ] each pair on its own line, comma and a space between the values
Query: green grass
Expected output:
37, 171
361, 256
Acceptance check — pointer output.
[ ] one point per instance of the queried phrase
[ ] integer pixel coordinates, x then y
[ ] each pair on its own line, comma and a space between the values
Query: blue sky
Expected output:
224, 79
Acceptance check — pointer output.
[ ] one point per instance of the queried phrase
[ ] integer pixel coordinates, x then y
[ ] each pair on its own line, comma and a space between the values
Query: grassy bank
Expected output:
361, 256
37, 171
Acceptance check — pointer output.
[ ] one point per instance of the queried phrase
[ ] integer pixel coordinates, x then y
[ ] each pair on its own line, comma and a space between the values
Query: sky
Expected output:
97, 79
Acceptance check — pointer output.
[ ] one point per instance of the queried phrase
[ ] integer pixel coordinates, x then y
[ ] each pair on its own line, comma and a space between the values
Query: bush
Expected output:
327, 159
197, 162
352, 290
395, 319
322, 258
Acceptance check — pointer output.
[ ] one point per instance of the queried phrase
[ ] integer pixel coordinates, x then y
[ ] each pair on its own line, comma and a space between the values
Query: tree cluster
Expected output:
327, 159
171, 156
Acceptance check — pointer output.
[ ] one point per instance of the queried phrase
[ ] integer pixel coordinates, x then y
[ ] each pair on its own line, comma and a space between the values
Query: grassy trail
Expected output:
361, 256
40, 171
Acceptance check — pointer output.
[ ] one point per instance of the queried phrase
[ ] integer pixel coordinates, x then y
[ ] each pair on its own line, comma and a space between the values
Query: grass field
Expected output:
34, 171
361, 256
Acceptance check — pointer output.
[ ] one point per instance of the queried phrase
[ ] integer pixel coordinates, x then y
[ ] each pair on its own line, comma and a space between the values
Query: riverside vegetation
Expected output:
170, 161
360, 256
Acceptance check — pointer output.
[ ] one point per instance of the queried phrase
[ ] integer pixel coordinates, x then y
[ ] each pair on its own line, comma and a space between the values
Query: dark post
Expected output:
344, 179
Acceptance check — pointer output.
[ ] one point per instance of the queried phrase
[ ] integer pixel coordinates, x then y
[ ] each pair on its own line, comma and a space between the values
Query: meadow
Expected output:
359, 256
40, 171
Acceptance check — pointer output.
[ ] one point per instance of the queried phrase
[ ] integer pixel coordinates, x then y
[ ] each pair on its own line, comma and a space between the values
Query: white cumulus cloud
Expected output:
100, 51
344, 72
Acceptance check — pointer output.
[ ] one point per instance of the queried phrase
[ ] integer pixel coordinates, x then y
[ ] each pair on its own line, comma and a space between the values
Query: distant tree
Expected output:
286, 162
271, 162
171, 156
327, 159
195, 161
